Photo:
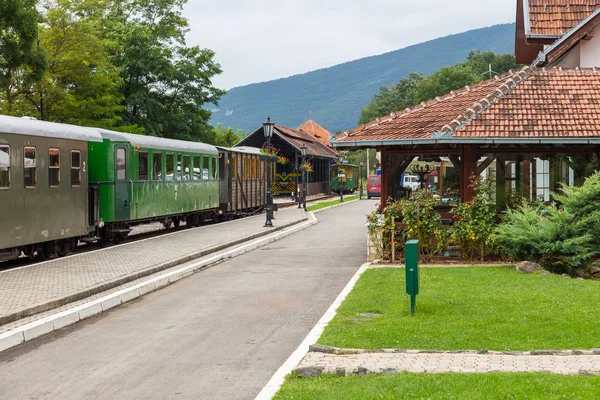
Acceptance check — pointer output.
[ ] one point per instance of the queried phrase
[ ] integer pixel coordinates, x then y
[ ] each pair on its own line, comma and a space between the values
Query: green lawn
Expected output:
493, 308
324, 204
441, 386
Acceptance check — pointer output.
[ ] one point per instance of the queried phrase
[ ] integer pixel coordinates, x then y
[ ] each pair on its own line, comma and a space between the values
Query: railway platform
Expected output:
33, 290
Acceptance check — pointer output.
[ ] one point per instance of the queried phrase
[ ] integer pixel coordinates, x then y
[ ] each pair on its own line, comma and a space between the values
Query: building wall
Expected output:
569, 60
590, 51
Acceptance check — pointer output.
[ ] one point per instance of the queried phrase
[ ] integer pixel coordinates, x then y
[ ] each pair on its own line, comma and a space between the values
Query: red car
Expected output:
373, 186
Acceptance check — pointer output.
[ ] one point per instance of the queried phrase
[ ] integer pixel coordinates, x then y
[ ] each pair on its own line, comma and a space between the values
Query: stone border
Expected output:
274, 384
320, 348
57, 321
333, 206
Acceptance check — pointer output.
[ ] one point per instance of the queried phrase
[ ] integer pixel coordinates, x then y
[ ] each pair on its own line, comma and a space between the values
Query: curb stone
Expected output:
32, 330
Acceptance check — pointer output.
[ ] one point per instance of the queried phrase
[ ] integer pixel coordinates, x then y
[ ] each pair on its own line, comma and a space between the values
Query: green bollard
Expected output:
411, 256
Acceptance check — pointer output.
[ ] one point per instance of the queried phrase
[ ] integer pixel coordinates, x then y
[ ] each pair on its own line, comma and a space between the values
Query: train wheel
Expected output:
176, 223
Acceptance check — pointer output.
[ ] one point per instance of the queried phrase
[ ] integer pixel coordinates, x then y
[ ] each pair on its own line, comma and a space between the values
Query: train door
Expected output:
122, 184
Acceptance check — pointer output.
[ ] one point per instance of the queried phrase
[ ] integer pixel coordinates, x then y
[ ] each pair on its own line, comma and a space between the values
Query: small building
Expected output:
289, 143
317, 131
538, 127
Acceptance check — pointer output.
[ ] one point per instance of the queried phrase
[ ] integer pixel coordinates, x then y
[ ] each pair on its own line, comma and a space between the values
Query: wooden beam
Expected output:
468, 164
484, 164
455, 160
500, 183
540, 150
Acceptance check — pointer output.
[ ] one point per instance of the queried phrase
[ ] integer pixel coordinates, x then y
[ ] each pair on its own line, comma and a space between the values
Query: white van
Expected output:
410, 182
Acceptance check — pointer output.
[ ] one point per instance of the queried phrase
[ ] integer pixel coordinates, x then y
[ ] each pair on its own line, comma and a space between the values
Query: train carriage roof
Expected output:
32, 127
154, 142
241, 149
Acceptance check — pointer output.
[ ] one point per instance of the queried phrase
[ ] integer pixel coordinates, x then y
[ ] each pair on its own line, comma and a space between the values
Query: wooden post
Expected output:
385, 171
393, 240
534, 178
526, 170
500, 183
468, 166
518, 175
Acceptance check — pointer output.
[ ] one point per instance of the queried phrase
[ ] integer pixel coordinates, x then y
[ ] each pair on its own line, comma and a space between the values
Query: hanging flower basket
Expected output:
282, 160
307, 167
274, 152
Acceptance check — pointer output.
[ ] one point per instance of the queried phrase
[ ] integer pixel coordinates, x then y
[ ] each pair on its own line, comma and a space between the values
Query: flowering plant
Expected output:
307, 167
274, 152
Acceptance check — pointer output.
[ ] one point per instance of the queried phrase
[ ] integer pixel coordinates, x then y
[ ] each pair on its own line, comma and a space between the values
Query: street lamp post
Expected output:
268, 131
360, 191
341, 182
304, 176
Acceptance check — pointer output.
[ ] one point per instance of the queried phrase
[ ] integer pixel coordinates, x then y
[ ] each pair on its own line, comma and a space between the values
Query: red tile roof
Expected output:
530, 103
316, 131
557, 17
298, 138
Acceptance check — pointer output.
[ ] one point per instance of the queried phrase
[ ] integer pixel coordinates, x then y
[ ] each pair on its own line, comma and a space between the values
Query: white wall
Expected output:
569, 60
590, 50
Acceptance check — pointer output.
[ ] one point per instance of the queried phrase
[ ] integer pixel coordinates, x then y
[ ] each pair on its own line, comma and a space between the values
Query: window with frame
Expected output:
186, 169
75, 168
170, 170
179, 169
54, 167
4, 166
205, 167
156, 166
143, 165
215, 170
196, 175
29, 166
121, 164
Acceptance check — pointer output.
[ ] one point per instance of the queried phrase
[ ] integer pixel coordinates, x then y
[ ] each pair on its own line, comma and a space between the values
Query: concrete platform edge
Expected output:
38, 308
335, 205
65, 318
274, 384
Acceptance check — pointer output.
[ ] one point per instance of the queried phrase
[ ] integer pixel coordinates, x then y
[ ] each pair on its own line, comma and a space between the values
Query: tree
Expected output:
165, 83
388, 100
415, 89
22, 62
81, 86
227, 137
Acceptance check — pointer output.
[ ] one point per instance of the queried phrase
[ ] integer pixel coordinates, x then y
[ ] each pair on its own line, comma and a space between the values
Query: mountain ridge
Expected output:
336, 94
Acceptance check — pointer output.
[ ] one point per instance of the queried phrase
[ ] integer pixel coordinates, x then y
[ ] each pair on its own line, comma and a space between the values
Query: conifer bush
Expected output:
562, 236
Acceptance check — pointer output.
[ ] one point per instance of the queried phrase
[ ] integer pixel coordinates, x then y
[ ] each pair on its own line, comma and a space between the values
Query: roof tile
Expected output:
538, 103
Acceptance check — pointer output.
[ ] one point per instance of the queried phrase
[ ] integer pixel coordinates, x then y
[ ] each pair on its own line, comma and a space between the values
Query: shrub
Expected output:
474, 221
563, 236
423, 222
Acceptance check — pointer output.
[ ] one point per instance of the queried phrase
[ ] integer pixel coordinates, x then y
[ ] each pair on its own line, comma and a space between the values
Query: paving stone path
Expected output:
384, 362
43, 286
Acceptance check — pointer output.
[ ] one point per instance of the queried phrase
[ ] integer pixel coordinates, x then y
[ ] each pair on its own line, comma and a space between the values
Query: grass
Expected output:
441, 386
494, 308
324, 204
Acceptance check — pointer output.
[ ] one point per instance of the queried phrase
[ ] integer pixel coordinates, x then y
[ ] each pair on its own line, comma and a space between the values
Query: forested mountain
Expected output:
336, 95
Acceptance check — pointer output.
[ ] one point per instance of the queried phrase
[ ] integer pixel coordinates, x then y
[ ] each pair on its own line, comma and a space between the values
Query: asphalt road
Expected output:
219, 334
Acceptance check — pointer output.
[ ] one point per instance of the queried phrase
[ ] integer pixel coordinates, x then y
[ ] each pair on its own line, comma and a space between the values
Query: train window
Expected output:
75, 168
121, 164
178, 170
196, 173
143, 166
156, 166
205, 162
234, 167
215, 170
29, 166
170, 173
4, 166
186, 168
54, 167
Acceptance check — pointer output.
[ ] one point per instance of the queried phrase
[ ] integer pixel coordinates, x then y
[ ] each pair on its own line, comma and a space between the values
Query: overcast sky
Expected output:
261, 40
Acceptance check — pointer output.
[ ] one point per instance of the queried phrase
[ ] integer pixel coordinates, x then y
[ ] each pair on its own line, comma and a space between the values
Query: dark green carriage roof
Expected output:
153, 142
33, 127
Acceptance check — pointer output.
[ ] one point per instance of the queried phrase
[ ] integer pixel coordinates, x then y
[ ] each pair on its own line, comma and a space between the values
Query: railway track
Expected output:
138, 232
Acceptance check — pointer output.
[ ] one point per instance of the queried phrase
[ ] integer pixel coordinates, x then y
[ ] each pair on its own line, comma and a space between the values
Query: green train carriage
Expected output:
137, 179
348, 174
